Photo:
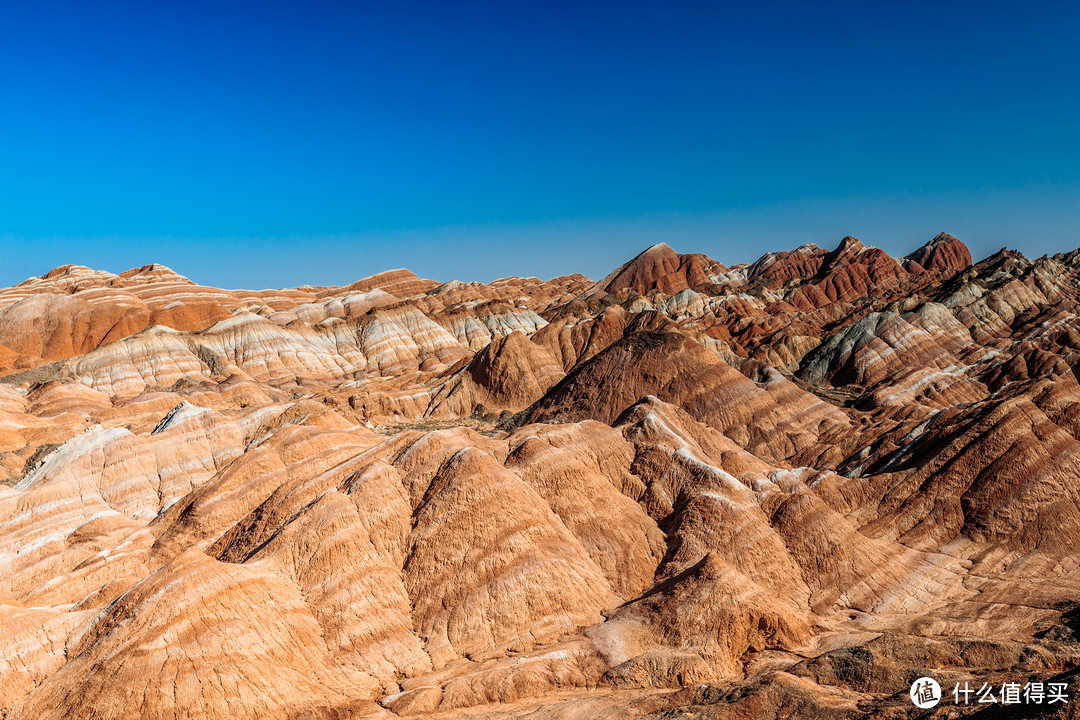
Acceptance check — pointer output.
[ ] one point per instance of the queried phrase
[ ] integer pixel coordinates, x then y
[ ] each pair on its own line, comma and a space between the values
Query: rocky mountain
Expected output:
784, 489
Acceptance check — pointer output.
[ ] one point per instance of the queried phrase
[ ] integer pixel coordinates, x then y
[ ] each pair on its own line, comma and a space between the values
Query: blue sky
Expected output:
274, 144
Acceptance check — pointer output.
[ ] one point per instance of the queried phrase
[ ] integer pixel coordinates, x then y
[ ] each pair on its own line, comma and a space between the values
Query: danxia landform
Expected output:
687, 490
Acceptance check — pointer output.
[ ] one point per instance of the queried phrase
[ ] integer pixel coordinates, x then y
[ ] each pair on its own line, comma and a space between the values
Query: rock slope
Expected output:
779, 489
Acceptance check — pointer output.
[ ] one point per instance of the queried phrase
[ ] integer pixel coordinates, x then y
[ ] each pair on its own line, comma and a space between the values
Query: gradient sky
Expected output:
273, 144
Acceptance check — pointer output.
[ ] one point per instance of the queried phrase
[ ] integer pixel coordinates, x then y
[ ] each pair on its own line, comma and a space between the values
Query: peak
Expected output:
68, 271
849, 247
72, 277
850, 244
398, 282
393, 273
658, 267
446, 287
944, 254
153, 270
803, 263
650, 255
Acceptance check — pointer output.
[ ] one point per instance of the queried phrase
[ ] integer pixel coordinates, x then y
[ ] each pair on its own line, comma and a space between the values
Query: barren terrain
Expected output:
778, 490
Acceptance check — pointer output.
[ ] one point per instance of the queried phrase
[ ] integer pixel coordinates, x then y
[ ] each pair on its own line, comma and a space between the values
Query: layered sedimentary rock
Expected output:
660, 268
779, 489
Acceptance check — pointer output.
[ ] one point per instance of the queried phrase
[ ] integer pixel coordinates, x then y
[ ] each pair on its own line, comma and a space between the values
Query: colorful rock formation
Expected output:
782, 489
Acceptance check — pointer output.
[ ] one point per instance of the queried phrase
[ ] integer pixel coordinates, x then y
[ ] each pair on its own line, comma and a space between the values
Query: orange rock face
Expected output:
782, 489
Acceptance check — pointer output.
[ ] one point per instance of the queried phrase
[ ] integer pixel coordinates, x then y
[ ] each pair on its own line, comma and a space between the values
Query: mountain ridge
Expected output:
687, 488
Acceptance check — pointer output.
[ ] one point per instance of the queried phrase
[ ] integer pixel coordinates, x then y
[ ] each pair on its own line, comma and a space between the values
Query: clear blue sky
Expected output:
273, 144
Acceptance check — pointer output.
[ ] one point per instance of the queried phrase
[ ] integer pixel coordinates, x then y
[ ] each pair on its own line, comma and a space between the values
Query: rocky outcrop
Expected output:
775, 419
659, 268
945, 255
